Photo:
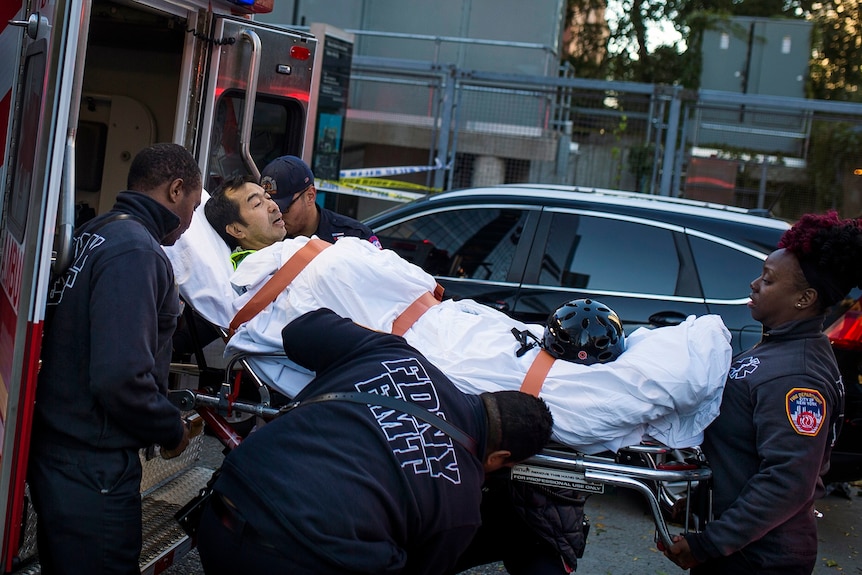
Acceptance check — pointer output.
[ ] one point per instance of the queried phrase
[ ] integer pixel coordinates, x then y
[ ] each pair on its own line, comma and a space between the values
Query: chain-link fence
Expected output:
787, 155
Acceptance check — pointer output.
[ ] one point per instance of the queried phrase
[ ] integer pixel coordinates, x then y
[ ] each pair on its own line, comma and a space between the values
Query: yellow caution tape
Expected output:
381, 183
367, 191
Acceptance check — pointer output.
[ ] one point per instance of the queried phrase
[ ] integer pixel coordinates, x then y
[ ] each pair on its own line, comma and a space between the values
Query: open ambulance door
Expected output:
49, 46
257, 98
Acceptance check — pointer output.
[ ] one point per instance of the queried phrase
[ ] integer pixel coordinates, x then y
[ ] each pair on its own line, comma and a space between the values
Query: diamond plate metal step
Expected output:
166, 486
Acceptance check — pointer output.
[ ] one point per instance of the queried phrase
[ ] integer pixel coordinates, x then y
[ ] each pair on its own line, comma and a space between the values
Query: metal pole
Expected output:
680, 158
670, 141
761, 190
446, 109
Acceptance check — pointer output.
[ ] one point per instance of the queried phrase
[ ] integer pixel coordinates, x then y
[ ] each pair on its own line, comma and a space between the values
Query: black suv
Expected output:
525, 250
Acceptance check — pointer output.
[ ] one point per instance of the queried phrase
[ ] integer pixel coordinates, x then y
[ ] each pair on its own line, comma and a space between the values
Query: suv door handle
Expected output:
666, 318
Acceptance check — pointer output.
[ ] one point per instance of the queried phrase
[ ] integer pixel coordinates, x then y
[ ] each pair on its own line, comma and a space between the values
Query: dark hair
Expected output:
162, 163
221, 211
517, 422
829, 250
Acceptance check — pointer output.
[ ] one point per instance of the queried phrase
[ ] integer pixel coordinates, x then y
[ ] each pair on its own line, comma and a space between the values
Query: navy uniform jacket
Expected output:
357, 488
780, 413
333, 226
107, 349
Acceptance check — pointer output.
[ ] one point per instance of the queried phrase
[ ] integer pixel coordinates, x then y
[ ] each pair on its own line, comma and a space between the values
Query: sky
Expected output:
656, 34
663, 34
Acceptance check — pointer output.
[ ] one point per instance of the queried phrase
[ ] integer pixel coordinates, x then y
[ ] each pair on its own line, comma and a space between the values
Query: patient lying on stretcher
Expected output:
667, 384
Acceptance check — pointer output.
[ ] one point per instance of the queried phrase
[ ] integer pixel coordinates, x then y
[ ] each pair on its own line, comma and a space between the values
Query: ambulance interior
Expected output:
146, 78
129, 97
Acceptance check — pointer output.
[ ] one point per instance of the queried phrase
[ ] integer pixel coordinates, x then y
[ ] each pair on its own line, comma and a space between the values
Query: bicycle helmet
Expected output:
584, 331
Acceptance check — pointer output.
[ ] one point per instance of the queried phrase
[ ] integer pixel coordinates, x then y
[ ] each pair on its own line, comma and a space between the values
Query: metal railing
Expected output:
788, 155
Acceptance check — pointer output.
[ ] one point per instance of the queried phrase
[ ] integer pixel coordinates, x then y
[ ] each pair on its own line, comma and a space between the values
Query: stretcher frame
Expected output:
643, 468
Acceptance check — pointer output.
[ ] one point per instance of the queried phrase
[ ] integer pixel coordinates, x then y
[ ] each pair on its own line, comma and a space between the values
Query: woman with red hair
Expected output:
780, 412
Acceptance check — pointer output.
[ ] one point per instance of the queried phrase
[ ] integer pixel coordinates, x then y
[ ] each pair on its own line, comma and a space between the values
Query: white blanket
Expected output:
667, 384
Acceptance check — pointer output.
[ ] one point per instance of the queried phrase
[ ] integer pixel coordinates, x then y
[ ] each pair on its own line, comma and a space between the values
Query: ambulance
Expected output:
84, 85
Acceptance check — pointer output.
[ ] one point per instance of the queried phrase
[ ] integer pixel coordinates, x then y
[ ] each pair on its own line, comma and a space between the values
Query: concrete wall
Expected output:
538, 22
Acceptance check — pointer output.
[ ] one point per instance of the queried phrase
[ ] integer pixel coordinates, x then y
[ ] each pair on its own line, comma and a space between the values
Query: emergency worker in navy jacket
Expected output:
101, 394
336, 487
290, 183
780, 412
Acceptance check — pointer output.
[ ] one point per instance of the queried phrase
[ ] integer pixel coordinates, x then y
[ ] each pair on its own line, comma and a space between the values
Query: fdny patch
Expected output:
806, 410
269, 185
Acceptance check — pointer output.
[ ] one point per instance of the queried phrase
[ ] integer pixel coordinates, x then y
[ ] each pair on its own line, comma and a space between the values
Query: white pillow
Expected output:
202, 269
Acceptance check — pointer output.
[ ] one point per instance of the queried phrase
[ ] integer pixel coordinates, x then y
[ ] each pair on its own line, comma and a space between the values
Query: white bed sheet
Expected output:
666, 385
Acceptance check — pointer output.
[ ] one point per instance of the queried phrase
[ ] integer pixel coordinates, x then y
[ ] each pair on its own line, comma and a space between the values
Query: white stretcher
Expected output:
666, 387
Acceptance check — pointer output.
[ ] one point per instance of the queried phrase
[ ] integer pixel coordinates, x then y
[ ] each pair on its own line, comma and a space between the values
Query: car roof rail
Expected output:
763, 212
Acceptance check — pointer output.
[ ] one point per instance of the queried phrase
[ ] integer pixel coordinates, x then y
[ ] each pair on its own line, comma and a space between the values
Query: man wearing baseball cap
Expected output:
289, 181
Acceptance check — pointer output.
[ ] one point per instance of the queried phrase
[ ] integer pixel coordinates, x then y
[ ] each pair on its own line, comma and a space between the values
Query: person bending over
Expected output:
336, 487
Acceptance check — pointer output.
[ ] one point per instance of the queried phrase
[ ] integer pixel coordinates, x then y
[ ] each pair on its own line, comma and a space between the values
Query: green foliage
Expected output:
836, 67
623, 51
640, 163
834, 150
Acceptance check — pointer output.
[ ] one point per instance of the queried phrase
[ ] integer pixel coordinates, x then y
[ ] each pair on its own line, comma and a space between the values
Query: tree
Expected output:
836, 64
586, 38
629, 53
619, 47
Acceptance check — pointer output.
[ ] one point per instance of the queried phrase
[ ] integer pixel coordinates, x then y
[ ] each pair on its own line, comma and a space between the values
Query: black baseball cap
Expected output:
283, 177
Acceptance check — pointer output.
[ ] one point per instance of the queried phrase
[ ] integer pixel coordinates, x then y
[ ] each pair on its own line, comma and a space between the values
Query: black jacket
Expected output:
334, 226
107, 348
556, 516
360, 488
768, 448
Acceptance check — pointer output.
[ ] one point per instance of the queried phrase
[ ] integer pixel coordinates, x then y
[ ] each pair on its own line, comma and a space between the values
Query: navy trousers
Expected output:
88, 506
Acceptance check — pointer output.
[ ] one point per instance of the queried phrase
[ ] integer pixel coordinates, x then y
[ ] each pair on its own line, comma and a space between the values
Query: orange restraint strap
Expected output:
278, 282
415, 310
537, 373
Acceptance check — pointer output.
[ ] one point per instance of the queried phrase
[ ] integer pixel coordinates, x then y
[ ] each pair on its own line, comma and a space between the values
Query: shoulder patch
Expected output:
806, 410
744, 367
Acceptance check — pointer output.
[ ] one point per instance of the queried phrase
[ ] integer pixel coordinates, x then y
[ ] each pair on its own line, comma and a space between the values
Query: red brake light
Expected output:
846, 332
300, 53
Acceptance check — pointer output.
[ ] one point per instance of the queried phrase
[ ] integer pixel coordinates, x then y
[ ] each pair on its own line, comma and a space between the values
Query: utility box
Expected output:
755, 56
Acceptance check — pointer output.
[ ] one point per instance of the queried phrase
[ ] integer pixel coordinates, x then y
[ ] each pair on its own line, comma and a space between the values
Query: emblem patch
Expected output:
744, 367
806, 410
269, 186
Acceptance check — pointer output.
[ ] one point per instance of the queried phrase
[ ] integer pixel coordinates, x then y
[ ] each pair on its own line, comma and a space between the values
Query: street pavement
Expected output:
621, 540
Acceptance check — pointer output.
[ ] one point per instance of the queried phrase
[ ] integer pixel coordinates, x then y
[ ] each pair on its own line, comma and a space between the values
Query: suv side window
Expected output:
595, 253
475, 243
713, 262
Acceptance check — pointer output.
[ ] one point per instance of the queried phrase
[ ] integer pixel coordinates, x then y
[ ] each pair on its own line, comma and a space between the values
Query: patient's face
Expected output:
262, 225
